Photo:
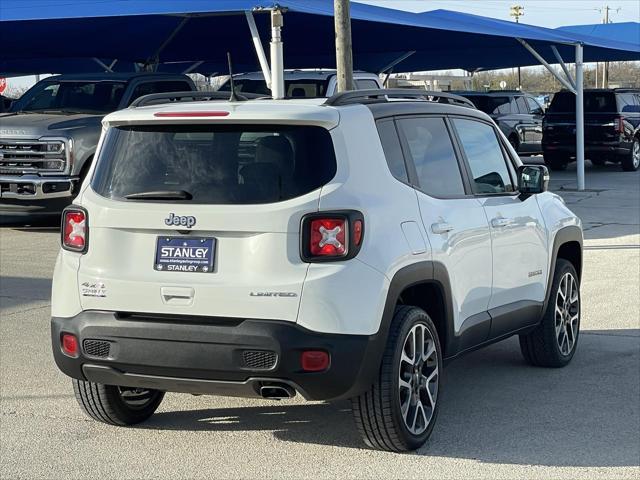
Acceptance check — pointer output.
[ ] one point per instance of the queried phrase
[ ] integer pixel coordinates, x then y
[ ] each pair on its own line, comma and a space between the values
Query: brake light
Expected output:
75, 230
191, 114
328, 237
331, 236
620, 125
69, 344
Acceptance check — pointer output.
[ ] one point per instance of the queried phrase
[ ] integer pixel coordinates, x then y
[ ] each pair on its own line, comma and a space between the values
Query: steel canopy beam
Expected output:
401, 58
257, 43
539, 57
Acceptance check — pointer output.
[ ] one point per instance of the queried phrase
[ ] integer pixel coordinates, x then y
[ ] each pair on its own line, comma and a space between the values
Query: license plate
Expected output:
180, 254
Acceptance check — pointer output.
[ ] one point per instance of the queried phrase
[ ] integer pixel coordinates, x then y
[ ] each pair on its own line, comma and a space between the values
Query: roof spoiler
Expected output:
386, 95
189, 96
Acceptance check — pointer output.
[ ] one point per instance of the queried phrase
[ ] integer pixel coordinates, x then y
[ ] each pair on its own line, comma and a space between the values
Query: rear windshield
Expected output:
214, 164
490, 104
293, 88
594, 102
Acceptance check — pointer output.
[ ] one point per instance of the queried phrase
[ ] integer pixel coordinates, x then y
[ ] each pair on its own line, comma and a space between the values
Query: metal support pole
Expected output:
563, 65
579, 116
103, 65
277, 62
539, 57
344, 54
257, 44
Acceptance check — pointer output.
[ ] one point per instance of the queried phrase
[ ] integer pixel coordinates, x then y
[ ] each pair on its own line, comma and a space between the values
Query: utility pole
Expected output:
516, 12
605, 65
344, 55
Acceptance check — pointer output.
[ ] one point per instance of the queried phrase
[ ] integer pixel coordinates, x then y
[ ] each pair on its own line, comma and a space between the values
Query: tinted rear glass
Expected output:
293, 88
594, 102
231, 164
491, 104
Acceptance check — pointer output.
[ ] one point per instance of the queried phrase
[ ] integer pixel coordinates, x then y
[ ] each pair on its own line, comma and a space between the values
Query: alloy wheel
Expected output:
636, 153
137, 398
418, 379
567, 313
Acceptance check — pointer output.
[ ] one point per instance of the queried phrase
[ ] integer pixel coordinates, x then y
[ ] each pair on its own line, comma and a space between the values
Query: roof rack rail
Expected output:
384, 95
188, 96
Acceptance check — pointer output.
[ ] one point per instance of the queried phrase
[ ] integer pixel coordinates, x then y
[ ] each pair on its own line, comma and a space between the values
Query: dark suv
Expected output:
518, 114
612, 128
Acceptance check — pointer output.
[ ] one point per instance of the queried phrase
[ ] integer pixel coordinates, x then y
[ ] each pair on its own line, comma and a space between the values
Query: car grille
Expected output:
96, 348
32, 156
259, 359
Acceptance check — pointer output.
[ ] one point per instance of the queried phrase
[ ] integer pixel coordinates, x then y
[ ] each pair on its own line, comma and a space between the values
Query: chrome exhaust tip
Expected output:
277, 392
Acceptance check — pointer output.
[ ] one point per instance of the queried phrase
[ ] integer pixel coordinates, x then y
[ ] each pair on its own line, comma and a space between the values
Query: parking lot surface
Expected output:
499, 418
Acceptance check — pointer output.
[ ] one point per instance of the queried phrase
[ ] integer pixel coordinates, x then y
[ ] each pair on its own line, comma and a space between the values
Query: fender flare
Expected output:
567, 234
428, 272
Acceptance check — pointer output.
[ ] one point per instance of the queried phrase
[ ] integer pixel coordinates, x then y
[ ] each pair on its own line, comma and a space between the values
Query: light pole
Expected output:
516, 12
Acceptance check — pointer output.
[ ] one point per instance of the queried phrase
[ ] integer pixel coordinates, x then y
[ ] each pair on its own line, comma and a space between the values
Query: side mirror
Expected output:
533, 179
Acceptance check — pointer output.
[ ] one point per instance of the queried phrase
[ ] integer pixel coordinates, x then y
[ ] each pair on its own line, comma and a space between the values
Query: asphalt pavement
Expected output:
499, 418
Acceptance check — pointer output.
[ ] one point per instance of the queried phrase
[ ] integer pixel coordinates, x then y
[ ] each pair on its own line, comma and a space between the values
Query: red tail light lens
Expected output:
69, 344
620, 124
331, 236
328, 237
314, 360
75, 230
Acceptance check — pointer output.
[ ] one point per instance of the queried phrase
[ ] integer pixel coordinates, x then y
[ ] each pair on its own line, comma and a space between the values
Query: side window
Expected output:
366, 84
392, 149
432, 153
485, 157
502, 105
148, 88
628, 103
522, 105
534, 106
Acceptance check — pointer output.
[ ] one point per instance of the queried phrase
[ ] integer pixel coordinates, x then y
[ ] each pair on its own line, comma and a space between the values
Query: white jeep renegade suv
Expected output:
340, 248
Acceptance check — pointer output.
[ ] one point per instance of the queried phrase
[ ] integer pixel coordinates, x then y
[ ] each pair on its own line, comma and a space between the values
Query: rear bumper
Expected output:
212, 355
603, 148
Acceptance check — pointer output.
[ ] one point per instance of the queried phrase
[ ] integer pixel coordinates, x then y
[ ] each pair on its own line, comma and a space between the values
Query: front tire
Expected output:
400, 409
116, 405
553, 342
630, 163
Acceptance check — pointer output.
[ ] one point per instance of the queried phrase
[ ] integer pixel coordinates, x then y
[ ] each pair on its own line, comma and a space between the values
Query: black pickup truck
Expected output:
612, 128
49, 136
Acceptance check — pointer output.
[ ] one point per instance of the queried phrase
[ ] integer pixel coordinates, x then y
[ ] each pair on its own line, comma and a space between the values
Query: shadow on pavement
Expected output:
495, 409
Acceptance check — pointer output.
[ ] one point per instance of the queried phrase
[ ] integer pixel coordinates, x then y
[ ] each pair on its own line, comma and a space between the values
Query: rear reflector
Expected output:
74, 230
190, 114
314, 360
69, 344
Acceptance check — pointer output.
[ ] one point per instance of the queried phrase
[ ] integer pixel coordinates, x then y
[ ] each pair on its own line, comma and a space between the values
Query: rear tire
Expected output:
631, 162
399, 411
553, 342
116, 405
556, 162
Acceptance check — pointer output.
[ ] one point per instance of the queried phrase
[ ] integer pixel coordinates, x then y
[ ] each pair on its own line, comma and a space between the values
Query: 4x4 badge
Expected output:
180, 221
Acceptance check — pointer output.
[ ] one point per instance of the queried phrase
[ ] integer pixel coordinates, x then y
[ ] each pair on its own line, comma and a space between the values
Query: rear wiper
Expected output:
160, 195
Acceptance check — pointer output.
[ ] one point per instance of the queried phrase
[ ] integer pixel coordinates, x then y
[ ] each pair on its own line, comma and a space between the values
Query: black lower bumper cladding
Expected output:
212, 355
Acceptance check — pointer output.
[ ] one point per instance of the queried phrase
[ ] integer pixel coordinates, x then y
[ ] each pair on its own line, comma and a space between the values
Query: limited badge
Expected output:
97, 289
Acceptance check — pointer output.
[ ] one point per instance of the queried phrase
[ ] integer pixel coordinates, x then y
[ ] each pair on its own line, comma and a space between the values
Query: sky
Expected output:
544, 13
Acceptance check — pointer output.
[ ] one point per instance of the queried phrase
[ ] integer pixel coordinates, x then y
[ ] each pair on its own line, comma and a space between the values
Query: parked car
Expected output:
49, 137
301, 83
340, 248
5, 103
612, 128
518, 114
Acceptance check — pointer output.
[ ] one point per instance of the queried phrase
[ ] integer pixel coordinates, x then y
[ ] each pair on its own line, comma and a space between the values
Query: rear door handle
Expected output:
442, 227
499, 222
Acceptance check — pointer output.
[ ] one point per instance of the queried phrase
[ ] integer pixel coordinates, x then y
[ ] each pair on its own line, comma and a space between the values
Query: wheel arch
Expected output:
567, 244
423, 283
